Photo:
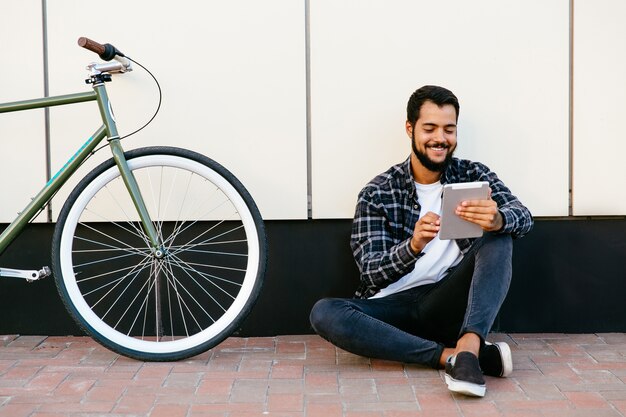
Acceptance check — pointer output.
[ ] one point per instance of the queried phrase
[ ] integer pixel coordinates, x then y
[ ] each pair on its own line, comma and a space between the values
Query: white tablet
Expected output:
452, 226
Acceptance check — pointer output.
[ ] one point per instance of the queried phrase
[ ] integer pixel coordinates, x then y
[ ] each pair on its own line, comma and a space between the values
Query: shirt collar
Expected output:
446, 177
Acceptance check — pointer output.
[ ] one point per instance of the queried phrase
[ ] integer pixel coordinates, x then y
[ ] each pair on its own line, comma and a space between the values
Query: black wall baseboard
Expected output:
568, 276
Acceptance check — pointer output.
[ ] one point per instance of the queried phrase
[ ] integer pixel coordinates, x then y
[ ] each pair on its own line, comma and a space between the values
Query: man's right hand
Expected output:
425, 230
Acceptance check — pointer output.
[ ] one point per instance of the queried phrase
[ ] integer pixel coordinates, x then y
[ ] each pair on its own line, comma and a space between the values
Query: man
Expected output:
422, 299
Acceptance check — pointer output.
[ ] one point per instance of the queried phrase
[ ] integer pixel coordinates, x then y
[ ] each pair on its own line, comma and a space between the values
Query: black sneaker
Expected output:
463, 375
495, 359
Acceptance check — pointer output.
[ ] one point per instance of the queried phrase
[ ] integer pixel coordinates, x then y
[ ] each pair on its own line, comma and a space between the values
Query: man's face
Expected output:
434, 136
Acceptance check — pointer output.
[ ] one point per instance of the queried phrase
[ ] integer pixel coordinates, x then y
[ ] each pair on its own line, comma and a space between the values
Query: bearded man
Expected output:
422, 299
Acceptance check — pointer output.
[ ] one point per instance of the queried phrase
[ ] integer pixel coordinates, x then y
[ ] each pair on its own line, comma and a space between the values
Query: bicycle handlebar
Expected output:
106, 51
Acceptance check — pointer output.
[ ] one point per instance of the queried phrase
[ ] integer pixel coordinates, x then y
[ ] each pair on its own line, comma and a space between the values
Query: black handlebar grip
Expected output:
106, 51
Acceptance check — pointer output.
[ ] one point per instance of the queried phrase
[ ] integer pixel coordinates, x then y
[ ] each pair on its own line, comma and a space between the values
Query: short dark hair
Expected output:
438, 95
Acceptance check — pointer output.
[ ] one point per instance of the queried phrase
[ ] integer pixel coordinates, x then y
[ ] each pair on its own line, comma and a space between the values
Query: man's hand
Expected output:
425, 230
484, 213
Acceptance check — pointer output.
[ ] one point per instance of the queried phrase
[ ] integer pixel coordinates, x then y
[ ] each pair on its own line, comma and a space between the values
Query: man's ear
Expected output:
409, 129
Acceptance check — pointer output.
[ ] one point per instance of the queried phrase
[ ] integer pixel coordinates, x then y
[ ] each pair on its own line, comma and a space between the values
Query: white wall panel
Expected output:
599, 179
506, 61
22, 134
233, 79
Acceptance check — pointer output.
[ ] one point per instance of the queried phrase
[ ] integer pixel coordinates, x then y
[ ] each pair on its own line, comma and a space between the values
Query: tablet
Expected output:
452, 226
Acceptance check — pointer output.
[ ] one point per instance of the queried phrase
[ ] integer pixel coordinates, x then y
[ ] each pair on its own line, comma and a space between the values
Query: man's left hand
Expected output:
484, 213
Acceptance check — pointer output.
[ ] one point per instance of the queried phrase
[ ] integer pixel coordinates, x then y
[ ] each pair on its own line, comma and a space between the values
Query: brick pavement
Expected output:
303, 376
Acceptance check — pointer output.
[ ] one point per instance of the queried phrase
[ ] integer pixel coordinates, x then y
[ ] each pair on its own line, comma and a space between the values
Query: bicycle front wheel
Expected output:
178, 303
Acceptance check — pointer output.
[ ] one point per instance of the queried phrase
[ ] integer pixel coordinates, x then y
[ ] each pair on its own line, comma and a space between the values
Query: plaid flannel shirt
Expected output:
388, 208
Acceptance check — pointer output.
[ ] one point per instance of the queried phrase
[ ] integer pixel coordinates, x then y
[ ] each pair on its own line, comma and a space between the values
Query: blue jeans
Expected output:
414, 326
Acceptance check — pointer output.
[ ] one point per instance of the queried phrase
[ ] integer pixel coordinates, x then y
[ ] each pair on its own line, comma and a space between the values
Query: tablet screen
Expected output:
452, 226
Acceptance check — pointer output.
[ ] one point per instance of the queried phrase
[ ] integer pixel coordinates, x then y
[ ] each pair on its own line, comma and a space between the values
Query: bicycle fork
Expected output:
106, 113
137, 198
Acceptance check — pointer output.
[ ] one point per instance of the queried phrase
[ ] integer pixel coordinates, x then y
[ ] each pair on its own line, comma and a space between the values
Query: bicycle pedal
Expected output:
45, 272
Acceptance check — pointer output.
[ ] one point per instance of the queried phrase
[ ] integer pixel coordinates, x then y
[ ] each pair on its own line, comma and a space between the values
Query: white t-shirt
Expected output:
439, 255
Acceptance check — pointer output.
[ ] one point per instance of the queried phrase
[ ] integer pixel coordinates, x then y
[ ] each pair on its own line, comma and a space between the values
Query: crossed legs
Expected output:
427, 323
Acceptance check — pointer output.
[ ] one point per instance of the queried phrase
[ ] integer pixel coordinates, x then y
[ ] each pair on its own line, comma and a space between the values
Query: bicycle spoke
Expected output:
210, 252
107, 236
204, 215
119, 281
109, 259
133, 229
188, 268
188, 245
172, 284
194, 214
104, 274
146, 282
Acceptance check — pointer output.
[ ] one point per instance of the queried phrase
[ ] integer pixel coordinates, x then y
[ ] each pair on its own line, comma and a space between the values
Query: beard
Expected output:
428, 163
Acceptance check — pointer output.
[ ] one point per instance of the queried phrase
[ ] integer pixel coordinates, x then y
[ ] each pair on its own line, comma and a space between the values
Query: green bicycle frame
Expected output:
108, 130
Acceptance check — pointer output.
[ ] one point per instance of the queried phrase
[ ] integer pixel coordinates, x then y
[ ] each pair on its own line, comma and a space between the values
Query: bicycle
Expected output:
158, 253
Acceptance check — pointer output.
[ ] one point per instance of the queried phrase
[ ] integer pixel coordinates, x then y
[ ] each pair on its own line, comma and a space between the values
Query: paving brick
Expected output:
613, 338
581, 413
324, 410
46, 381
104, 394
169, 410
542, 391
321, 382
7, 338
135, 404
479, 409
364, 413
249, 391
75, 408
16, 410
232, 409
587, 400
28, 342
367, 406
183, 380
214, 391
255, 364
386, 366
436, 401
536, 405
425, 386
355, 386
286, 386
323, 399
285, 402
291, 349
395, 393
287, 371
74, 386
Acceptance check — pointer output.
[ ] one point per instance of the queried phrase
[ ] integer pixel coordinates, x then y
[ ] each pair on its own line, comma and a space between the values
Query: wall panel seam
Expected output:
46, 93
307, 52
570, 151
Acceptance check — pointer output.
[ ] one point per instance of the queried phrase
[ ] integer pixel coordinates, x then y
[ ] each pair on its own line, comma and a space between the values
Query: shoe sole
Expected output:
507, 358
464, 387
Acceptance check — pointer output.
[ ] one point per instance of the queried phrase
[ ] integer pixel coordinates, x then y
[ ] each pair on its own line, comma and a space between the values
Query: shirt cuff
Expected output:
508, 222
406, 255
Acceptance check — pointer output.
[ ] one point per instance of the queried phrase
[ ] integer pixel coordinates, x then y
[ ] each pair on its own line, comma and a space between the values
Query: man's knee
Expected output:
498, 244
320, 313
